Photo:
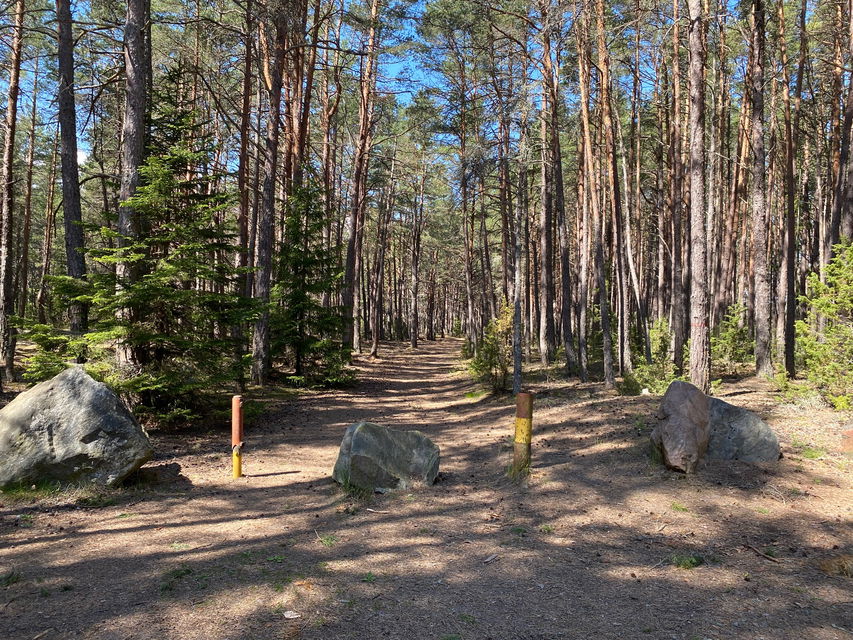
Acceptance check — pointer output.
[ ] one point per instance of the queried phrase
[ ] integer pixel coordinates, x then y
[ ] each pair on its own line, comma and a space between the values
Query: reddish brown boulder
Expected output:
681, 435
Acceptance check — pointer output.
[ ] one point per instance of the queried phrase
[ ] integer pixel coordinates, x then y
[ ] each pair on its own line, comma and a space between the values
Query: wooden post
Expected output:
523, 434
237, 436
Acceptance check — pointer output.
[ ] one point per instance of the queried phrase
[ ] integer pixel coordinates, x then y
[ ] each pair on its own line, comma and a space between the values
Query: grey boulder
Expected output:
375, 458
681, 435
738, 434
70, 428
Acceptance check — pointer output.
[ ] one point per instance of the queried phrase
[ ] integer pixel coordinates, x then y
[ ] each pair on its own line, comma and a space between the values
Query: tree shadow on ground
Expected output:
586, 547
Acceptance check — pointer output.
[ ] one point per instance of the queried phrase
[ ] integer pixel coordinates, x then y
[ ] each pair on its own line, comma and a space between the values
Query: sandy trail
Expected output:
584, 549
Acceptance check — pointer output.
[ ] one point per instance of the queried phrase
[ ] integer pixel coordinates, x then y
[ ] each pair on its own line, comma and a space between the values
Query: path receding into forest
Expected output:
584, 549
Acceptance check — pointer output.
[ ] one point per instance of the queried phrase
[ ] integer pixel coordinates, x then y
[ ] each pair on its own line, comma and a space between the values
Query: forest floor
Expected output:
587, 547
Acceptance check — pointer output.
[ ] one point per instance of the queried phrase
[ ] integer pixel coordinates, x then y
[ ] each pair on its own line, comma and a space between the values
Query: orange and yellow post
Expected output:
523, 434
237, 436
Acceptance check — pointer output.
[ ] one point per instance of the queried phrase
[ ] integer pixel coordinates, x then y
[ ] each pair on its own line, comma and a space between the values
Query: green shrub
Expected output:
800, 393
687, 561
467, 349
629, 385
733, 342
174, 306
825, 335
658, 375
53, 351
301, 325
491, 364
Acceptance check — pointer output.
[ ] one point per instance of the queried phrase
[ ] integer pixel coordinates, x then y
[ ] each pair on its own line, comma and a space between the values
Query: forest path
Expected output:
583, 549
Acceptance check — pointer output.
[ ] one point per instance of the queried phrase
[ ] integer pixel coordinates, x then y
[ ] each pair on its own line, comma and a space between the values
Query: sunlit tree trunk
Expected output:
547, 344
597, 231
132, 152
24, 262
761, 279
417, 234
843, 207
7, 181
47, 242
700, 348
519, 262
790, 204
361, 160
266, 217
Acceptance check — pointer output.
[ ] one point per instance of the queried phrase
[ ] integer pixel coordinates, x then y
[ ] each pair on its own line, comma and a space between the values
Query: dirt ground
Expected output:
588, 547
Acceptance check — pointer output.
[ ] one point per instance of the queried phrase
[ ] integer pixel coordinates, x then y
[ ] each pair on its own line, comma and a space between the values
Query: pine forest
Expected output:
201, 195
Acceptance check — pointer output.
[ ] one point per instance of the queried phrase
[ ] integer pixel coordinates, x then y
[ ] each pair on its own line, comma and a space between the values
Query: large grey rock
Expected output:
739, 434
376, 458
681, 435
70, 428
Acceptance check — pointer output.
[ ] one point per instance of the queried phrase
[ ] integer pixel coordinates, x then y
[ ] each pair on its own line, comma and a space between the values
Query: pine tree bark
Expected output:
266, 216
361, 162
583, 276
22, 279
417, 234
430, 310
47, 242
24, 261
243, 158
597, 230
840, 138
843, 207
615, 199
547, 343
72, 212
790, 204
761, 279
519, 263
700, 348
7, 182
132, 152
676, 198
636, 146
386, 210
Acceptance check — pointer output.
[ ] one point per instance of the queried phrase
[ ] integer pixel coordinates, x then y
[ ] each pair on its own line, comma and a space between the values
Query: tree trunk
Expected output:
24, 262
47, 243
844, 185
361, 161
384, 219
7, 180
583, 277
430, 312
700, 348
597, 231
840, 138
72, 212
132, 152
790, 227
519, 262
761, 283
243, 158
417, 232
676, 193
606, 112
547, 344
266, 217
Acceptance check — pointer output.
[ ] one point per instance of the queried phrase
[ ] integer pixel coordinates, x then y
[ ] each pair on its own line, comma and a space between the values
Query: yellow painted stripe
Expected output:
523, 430
236, 463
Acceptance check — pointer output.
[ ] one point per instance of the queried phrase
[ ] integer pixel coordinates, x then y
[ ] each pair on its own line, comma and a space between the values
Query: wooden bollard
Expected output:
523, 434
237, 436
